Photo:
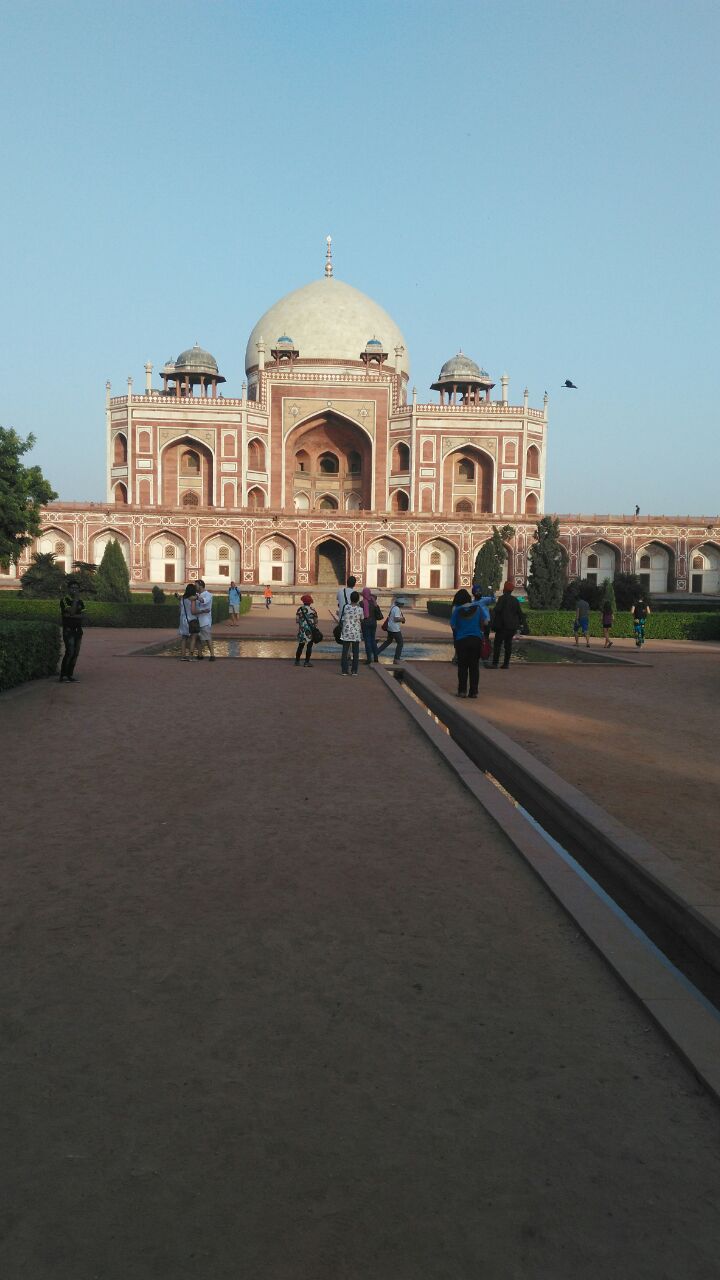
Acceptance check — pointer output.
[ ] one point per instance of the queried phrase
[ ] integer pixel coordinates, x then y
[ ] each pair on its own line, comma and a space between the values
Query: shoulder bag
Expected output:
337, 629
193, 623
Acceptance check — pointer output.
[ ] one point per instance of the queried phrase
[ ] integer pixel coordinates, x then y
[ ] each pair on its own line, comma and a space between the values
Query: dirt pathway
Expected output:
282, 1002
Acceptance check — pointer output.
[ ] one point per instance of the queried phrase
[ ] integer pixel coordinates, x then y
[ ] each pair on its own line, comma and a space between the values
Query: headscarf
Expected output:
368, 601
306, 599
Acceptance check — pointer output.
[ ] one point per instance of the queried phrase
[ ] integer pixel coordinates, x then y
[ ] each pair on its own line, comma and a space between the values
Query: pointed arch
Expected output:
438, 564
384, 563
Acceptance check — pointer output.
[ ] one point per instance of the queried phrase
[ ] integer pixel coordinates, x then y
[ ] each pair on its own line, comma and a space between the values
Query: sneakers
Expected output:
307, 664
472, 695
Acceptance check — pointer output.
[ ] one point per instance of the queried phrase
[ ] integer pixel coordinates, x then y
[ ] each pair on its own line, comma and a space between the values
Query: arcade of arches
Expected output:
328, 466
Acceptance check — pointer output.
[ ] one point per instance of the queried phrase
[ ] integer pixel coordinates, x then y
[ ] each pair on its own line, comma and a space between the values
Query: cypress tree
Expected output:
490, 559
112, 580
548, 566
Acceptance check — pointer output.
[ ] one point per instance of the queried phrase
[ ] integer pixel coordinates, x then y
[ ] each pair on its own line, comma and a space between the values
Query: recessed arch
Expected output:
256, 454
177, 477
48, 542
220, 557
532, 461
120, 449
301, 501
328, 452
166, 553
609, 560
477, 480
256, 499
274, 569
438, 573
327, 502
532, 505
400, 458
384, 563
101, 540
120, 494
399, 501
655, 566
705, 568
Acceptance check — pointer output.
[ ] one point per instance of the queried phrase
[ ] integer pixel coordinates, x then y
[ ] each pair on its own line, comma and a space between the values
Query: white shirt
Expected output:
394, 618
343, 596
204, 608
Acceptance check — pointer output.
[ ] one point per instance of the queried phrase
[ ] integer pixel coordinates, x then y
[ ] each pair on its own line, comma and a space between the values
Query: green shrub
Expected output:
102, 613
44, 580
28, 651
659, 626
112, 580
158, 595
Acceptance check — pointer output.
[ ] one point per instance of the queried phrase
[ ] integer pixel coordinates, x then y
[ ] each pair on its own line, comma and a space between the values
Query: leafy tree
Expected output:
112, 580
490, 559
44, 579
627, 589
84, 574
582, 587
608, 593
23, 493
548, 566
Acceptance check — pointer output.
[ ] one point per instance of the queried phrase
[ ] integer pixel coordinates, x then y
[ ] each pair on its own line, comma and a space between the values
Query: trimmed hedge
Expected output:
100, 613
659, 626
28, 651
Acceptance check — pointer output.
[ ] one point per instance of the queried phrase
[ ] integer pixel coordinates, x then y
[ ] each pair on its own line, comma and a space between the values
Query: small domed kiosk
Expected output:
463, 381
193, 368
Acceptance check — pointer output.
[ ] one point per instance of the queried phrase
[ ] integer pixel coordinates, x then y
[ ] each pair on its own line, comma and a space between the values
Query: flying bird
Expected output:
568, 385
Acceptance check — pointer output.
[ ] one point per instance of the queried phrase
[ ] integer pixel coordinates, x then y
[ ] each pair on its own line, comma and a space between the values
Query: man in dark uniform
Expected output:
72, 609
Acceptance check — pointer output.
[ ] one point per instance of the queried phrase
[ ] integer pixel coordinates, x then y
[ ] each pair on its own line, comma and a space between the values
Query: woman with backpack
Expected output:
507, 618
306, 619
189, 624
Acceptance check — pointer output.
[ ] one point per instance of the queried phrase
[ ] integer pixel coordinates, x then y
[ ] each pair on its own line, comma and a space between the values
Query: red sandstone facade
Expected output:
323, 467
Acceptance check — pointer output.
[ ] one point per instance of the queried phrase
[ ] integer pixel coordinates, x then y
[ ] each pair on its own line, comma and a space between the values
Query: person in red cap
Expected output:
507, 618
306, 618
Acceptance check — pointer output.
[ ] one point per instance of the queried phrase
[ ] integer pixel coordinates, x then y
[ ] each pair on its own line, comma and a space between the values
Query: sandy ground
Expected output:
640, 740
281, 1002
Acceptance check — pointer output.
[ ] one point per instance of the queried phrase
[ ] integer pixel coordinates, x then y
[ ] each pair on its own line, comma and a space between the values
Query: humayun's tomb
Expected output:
327, 464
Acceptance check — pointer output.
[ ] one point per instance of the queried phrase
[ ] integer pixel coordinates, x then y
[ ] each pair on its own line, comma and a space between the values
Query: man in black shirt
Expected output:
71, 608
507, 618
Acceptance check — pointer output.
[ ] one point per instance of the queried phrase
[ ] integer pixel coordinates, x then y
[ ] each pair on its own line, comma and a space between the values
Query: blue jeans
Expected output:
396, 638
347, 645
369, 630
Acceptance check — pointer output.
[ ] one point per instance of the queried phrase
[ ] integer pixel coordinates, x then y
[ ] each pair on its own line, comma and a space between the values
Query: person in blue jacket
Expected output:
468, 621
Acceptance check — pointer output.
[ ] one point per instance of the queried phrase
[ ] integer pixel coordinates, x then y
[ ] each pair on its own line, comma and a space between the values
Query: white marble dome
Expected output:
328, 320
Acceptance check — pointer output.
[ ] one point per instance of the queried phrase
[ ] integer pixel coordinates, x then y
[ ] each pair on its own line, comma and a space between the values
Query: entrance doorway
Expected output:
331, 568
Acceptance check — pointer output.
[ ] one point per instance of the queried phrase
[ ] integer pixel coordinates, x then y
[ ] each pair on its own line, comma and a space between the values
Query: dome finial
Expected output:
328, 257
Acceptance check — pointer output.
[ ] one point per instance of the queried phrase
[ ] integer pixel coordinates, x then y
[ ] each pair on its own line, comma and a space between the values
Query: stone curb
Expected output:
634, 866
691, 1027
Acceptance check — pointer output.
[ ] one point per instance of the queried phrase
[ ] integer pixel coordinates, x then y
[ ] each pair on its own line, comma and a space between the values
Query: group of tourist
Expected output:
356, 621
581, 626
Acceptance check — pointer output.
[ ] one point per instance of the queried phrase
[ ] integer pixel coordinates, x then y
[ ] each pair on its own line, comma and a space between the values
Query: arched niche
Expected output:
399, 501
330, 560
532, 505
120, 450
655, 567
220, 559
166, 553
705, 569
400, 459
469, 473
384, 564
532, 461
256, 455
187, 467
276, 560
101, 540
599, 560
120, 494
256, 498
58, 543
328, 454
438, 562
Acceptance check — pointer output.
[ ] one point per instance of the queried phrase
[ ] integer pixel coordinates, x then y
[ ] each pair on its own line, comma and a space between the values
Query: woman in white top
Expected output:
350, 619
395, 620
188, 610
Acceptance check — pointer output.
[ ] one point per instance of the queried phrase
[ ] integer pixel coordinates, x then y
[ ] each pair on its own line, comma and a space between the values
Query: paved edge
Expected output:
689, 910
692, 1030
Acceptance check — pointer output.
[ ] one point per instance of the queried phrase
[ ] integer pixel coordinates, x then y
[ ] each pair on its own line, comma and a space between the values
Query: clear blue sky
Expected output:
534, 182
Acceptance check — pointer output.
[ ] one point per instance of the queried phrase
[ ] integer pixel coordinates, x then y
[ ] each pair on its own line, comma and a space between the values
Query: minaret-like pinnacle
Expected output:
328, 257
